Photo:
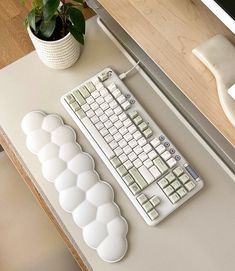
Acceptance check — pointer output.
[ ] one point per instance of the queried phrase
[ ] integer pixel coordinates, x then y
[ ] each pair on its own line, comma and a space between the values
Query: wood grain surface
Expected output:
168, 30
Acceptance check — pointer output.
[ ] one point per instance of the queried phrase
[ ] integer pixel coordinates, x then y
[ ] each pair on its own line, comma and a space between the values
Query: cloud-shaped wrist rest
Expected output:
81, 193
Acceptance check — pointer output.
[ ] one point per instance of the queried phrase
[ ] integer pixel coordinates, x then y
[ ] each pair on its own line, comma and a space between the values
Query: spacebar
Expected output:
97, 137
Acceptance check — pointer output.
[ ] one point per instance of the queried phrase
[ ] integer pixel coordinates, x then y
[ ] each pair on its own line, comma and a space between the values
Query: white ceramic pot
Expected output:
59, 54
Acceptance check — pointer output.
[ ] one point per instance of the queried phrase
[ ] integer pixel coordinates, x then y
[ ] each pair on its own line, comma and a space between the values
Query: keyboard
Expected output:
150, 169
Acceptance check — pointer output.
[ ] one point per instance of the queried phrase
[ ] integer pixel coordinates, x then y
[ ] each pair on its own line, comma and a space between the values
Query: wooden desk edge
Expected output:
29, 180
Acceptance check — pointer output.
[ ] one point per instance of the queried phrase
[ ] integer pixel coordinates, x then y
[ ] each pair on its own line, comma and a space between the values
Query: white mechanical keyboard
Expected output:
152, 172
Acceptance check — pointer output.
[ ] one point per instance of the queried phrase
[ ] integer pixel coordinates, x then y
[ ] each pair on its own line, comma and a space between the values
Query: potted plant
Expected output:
57, 28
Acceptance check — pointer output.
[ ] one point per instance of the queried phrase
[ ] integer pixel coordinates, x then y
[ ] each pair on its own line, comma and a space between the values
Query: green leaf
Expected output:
78, 1
77, 19
47, 27
32, 19
50, 8
77, 35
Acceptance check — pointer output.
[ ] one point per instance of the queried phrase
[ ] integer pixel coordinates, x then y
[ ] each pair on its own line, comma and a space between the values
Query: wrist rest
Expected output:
218, 55
81, 193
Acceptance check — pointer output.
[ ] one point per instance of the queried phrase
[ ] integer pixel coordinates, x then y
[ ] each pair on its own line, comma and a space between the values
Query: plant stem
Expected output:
63, 17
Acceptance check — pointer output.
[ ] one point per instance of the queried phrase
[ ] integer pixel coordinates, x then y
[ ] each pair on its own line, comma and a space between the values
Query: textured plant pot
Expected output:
59, 54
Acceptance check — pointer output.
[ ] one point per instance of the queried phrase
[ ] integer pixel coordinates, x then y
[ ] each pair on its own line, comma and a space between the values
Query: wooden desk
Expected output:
168, 30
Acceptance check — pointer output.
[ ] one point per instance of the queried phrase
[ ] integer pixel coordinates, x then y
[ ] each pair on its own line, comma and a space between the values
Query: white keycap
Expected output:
133, 143
118, 124
127, 123
113, 104
104, 106
108, 98
100, 100
103, 145
108, 138
109, 112
90, 113
160, 149
104, 92
152, 155
113, 144
137, 135
147, 148
146, 174
114, 118
166, 155
168, 190
142, 141
103, 118
94, 106
190, 185
104, 132
127, 149
108, 124
118, 110
113, 130
118, 151
128, 164
148, 163
116, 93
138, 149
123, 157
171, 162
155, 142
121, 99
123, 130
99, 112
95, 80
122, 116
138, 163
117, 136
99, 86
122, 143
128, 136
132, 156
155, 172
126, 105
95, 94
132, 129
90, 100
143, 156
112, 87
94, 119
174, 198
99, 125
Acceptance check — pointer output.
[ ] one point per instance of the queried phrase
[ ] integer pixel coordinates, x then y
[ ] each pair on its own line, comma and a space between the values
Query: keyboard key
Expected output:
99, 112
142, 141
133, 143
132, 156
90, 113
122, 143
118, 151
127, 122
118, 124
69, 98
147, 148
163, 183
128, 136
155, 172
171, 162
108, 98
127, 149
123, 130
94, 119
114, 118
113, 104
168, 190
170, 177
75, 106
84, 91
109, 112
117, 110
90, 100
90, 86
146, 174
134, 188
117, 136
143, 126
113, 144
104, 106
94, 106
137, 120
176, 184
160, 165
121, 99
113, 130
100, 100
138, 150
116, 93
182, 192
126, 105
122, 116
155, 200
184, 178
108, 124
99, 125
123, 157
79, 98
138, 163
190, 185
80, 113
153, 214
178, 171
108, 138
112, 87
133, 114
155, 142
103, 92
143, 156
160, 149
148, 163
99, 86
152, 155
115, 162
128, 179
166, 155
137, 135
147, 206
132, 129
174, 198
128, 165
103, 76
147, 133
122, 170
142, 198
104, 132
103, 118
138, 177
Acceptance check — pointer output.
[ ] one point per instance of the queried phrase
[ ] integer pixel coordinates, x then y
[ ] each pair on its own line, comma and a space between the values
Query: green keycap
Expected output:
133, 114
90, 86
79, 97
143, 126
128, 179
138, 177
160, 164
178, 171
137, 120
80, 113
147, 133
142, 199
147, 206
170, 177
122, 170
84, 91
75, 106
116, 162
69, 98
134, 188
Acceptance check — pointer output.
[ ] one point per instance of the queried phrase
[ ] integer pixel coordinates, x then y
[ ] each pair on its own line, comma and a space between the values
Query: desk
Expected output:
199, 236
168, 30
